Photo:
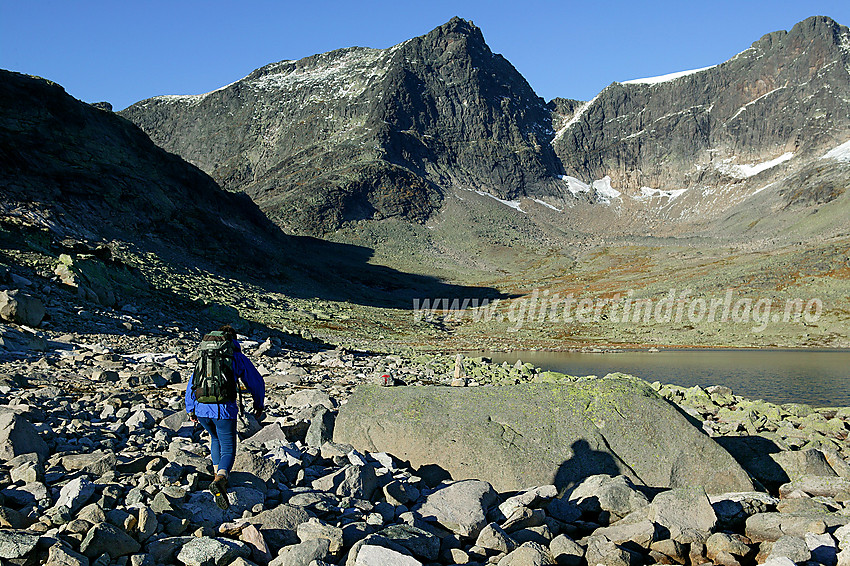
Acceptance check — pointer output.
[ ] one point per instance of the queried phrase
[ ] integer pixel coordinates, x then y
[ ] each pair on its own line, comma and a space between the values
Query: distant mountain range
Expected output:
364, 135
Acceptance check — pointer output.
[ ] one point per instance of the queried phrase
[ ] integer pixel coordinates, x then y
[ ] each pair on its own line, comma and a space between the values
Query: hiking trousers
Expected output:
222, 441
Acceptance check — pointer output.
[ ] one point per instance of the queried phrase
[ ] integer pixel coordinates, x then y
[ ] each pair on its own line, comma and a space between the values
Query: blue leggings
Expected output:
222, 441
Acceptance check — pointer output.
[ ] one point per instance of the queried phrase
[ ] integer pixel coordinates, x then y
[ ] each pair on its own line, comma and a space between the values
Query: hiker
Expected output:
211, 400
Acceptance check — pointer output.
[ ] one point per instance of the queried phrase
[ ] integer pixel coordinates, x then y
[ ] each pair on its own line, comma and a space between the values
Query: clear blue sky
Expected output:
124, 51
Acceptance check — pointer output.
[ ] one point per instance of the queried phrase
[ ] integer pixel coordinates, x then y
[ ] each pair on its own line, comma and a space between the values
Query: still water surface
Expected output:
818, 378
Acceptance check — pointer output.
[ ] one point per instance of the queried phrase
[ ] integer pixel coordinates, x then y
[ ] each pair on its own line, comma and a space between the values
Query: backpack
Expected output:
213, 381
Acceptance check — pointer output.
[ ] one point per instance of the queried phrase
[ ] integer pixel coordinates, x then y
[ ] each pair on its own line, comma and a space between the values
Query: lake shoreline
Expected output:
816, 377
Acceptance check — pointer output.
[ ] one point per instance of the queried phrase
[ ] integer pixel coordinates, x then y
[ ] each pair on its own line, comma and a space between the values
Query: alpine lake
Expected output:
820, 378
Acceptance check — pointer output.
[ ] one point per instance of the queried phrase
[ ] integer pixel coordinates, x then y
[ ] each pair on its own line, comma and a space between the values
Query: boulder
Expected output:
372, 555
263, 468
309, 398
524, 518
791, 547
641, 533
269, 434
105, 537
529, 554
316, 529
350, 481
733, 509
493, 537
769, 527
18, 436
460, 507
842, 535
669, 551
723, 544
534, 497
16, 544
779, 561
684, 512
147, 524
615, 425
826, 486
9, 518
175, 420
96, 463
616, 497
602, 551
823, 548
207, 551
21, 308
59, 555
802, 463
204, 511
21, 340
566, 551
164, 550
278, 525
321, 428
75, 494
400, 493
302, 553
255, 540
27, 494
418, 542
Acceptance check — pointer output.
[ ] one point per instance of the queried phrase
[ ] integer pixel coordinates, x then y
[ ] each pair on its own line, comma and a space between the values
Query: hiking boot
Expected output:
218, 487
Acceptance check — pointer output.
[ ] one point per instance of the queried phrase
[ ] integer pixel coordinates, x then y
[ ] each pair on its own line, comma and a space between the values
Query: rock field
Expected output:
100, 466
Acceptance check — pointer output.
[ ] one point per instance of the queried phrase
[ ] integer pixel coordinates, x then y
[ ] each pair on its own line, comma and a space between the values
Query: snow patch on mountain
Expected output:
191, 99
604, 190
648, 193
575, 186
576, 117
751, 169
511, 203
840, 153
346, 76
748, 104
665, 78
547, 205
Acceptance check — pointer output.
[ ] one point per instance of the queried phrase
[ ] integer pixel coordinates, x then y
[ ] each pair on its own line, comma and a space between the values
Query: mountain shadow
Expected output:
76, 172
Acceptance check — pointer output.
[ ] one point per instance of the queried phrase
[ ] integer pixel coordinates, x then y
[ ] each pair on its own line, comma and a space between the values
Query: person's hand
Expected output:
258, 414
193, 418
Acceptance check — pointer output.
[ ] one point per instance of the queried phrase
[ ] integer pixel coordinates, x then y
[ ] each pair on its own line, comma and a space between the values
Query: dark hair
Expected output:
229, 331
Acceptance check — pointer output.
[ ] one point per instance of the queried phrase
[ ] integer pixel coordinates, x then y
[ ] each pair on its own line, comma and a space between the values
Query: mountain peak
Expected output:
818, 29
457, 26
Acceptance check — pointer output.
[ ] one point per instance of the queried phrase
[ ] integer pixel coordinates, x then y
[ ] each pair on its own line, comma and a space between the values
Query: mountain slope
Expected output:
364, 133
91, 174
731, 129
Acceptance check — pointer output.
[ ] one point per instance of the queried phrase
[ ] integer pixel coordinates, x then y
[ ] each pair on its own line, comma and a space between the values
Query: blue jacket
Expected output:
242, 369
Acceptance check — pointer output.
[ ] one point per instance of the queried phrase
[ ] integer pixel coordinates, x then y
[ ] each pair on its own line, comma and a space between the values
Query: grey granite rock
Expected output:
460, 507
107, 538
207, 551
18, 436
16, 544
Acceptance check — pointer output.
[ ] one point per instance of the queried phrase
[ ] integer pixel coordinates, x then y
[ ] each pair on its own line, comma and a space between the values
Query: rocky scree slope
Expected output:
364, 133
76, 171
101, 466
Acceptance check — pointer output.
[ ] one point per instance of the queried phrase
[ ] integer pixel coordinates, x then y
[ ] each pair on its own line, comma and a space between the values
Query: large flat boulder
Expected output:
535, 434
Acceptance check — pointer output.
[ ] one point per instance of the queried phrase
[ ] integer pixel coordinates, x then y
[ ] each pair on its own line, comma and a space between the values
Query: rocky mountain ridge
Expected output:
727, 131
365, 134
